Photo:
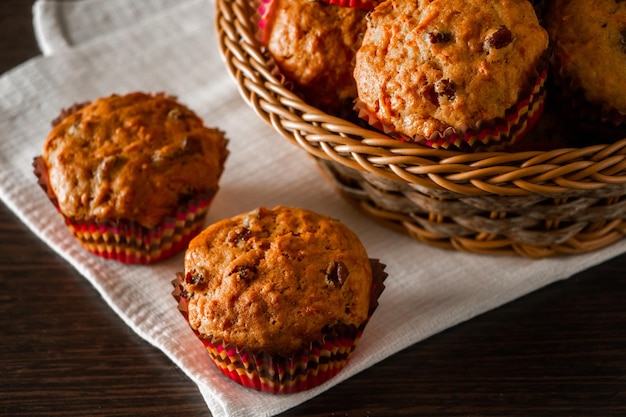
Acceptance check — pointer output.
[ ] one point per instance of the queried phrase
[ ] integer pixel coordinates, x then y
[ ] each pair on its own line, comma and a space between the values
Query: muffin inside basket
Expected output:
562, 193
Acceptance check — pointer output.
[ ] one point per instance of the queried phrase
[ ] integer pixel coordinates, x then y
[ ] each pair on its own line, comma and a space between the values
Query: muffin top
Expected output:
276, 279
134, 157
313, 45
428, 65
589, 38
360, 4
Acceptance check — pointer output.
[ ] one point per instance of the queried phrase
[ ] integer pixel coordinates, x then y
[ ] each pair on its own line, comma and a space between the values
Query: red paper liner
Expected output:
278, 374
264, 10
129, 242
486, 135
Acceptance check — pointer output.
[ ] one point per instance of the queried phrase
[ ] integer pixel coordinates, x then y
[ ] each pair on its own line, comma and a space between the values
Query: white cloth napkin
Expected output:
171, 46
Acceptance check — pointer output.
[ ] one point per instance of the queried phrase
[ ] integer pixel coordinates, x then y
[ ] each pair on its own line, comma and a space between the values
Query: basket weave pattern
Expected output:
530, 203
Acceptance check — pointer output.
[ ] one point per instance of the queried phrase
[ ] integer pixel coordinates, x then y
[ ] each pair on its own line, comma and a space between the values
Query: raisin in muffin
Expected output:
589, 62
278, 284
313, 45
452, 72
133, 174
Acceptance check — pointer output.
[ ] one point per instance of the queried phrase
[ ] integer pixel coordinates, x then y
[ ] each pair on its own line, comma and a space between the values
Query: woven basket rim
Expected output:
545, 172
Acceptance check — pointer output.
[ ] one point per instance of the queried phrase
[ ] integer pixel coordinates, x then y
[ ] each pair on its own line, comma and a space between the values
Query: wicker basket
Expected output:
532, 203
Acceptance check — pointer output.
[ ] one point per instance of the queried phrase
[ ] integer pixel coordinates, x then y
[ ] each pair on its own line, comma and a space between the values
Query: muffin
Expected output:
453, 73
359, 4
132, 175
589, 62
313, 46
279, 297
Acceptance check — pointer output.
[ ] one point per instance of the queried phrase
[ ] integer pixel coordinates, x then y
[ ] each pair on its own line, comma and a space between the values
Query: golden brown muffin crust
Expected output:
589, 38
314, 44
428, 65
273, 279
134, 157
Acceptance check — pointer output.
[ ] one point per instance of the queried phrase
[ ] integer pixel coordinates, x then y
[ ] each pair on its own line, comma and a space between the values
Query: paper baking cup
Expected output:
129, 242
263, 12
278, 374
486, 135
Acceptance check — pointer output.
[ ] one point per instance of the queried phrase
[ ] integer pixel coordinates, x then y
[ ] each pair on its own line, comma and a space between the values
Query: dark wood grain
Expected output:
560, 351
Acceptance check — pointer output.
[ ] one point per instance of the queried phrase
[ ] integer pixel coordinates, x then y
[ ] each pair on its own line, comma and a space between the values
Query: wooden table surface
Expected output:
560, 351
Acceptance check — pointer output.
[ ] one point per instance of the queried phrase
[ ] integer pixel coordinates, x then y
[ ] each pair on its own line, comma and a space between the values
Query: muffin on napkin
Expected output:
453, 73
279, 297
133, 175
589, 63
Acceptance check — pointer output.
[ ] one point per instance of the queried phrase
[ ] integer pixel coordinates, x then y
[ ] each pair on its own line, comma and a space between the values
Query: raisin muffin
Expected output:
453, 73
274, 288
132, 175
359, 4
313, 45
589, 62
